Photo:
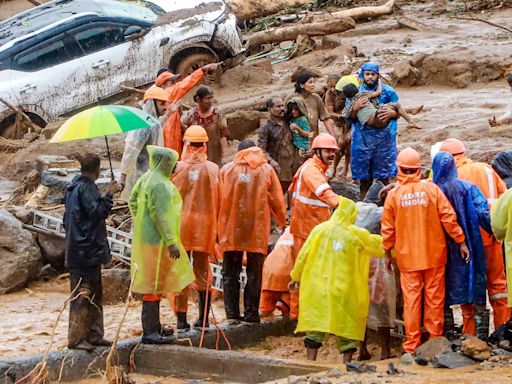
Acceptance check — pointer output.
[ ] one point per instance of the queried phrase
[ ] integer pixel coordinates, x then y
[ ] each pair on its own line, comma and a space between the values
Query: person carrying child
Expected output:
369, 114
296, 117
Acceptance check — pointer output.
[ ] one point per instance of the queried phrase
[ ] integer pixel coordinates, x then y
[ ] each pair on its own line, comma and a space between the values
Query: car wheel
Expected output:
194, 61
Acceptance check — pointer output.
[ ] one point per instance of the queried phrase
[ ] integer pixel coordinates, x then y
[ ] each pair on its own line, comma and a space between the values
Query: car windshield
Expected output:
137, 9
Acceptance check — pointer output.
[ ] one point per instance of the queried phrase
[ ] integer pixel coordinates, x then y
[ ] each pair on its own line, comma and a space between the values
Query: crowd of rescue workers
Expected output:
437, 242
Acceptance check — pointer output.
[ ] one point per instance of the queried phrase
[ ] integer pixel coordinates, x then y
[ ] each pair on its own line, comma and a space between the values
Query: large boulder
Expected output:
116, 283
20, 257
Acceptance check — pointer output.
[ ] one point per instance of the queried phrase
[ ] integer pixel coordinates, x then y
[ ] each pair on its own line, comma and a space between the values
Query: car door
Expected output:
47, 79
104, 51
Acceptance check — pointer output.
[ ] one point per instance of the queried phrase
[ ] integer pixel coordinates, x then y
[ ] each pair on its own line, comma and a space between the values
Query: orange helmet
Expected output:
454, 146
408, 158
195, 134
324, 141
155, 93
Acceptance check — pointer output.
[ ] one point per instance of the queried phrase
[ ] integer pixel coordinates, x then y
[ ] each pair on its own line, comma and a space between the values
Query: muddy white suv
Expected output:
68, 54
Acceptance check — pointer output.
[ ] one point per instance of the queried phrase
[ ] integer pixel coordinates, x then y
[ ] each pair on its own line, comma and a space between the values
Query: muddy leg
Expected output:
385, 342
364, 186
363, 351
347, 355
312, 343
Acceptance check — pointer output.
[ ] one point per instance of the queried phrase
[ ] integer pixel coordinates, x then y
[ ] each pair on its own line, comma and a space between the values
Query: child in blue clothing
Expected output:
295, 116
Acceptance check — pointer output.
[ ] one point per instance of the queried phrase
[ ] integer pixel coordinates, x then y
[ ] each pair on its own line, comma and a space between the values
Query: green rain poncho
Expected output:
501, 223
155, 204
333, 267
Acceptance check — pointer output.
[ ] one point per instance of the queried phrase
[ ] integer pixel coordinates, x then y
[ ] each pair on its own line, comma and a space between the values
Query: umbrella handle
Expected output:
109, 159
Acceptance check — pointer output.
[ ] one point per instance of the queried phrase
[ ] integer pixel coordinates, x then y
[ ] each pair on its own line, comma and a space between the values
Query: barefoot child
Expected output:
296, 117
369, 114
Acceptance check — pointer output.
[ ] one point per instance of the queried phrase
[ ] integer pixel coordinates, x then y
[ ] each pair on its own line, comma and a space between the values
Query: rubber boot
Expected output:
182, 325
151, 324
449, 324
482, 322
202, 301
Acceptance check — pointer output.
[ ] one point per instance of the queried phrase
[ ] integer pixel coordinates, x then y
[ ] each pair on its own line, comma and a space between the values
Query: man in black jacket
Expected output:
86, 250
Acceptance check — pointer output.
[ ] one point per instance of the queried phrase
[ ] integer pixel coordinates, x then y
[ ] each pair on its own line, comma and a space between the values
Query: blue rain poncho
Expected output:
373, 150
465, 282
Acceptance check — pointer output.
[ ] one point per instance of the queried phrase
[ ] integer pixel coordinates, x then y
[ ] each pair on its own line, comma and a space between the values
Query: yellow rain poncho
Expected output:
501, 223
332, 268
155, 204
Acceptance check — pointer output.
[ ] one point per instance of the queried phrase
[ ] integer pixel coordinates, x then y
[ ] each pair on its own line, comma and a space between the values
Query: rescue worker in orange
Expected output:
415, 214
276, 277
250, 194
176, 91
492, 187
197, 179
312, 199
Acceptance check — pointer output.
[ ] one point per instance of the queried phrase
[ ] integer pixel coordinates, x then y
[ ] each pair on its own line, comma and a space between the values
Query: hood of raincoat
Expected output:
444, 168
345, 214
404, 178
192, 154
162, 159
300, 103
502, 164
253, 156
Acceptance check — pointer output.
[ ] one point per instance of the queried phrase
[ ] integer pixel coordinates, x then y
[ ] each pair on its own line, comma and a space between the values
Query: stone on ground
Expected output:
450, 359
434, 347
476, 349
20, 257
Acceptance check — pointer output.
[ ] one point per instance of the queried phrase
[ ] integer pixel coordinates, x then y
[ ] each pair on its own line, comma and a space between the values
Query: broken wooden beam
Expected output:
359, 13
276, 35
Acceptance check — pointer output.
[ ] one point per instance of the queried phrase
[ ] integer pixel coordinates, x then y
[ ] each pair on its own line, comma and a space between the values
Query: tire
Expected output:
195, 61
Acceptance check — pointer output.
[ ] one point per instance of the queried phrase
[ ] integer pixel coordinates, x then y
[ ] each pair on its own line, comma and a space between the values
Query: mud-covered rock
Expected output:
20, 257
346, 189
243, 123
476, 349
53, 249
450, 359
434, 347
369, 217
116, 283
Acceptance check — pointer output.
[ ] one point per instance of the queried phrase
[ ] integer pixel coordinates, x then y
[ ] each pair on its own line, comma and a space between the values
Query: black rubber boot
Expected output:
482, 322
164, 331
202, 301
151, 324
182, 325
449, 324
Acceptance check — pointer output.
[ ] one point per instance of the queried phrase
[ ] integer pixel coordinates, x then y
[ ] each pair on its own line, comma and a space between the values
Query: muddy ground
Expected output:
457, 74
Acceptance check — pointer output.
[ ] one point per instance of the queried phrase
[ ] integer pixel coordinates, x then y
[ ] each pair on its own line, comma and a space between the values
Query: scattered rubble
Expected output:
434, 347
450, 359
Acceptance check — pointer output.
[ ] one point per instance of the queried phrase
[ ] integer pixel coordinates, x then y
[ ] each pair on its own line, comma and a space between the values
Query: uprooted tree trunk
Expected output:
359, 13
253, 9
277, 35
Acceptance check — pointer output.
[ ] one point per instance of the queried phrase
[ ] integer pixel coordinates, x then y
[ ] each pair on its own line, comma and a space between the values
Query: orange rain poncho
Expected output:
155, 204
279, 264
313, 197
172, 126
250, 193
198, 182
415, 214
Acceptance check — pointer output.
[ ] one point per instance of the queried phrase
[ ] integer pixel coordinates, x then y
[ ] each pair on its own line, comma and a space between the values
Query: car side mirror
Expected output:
134, 32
